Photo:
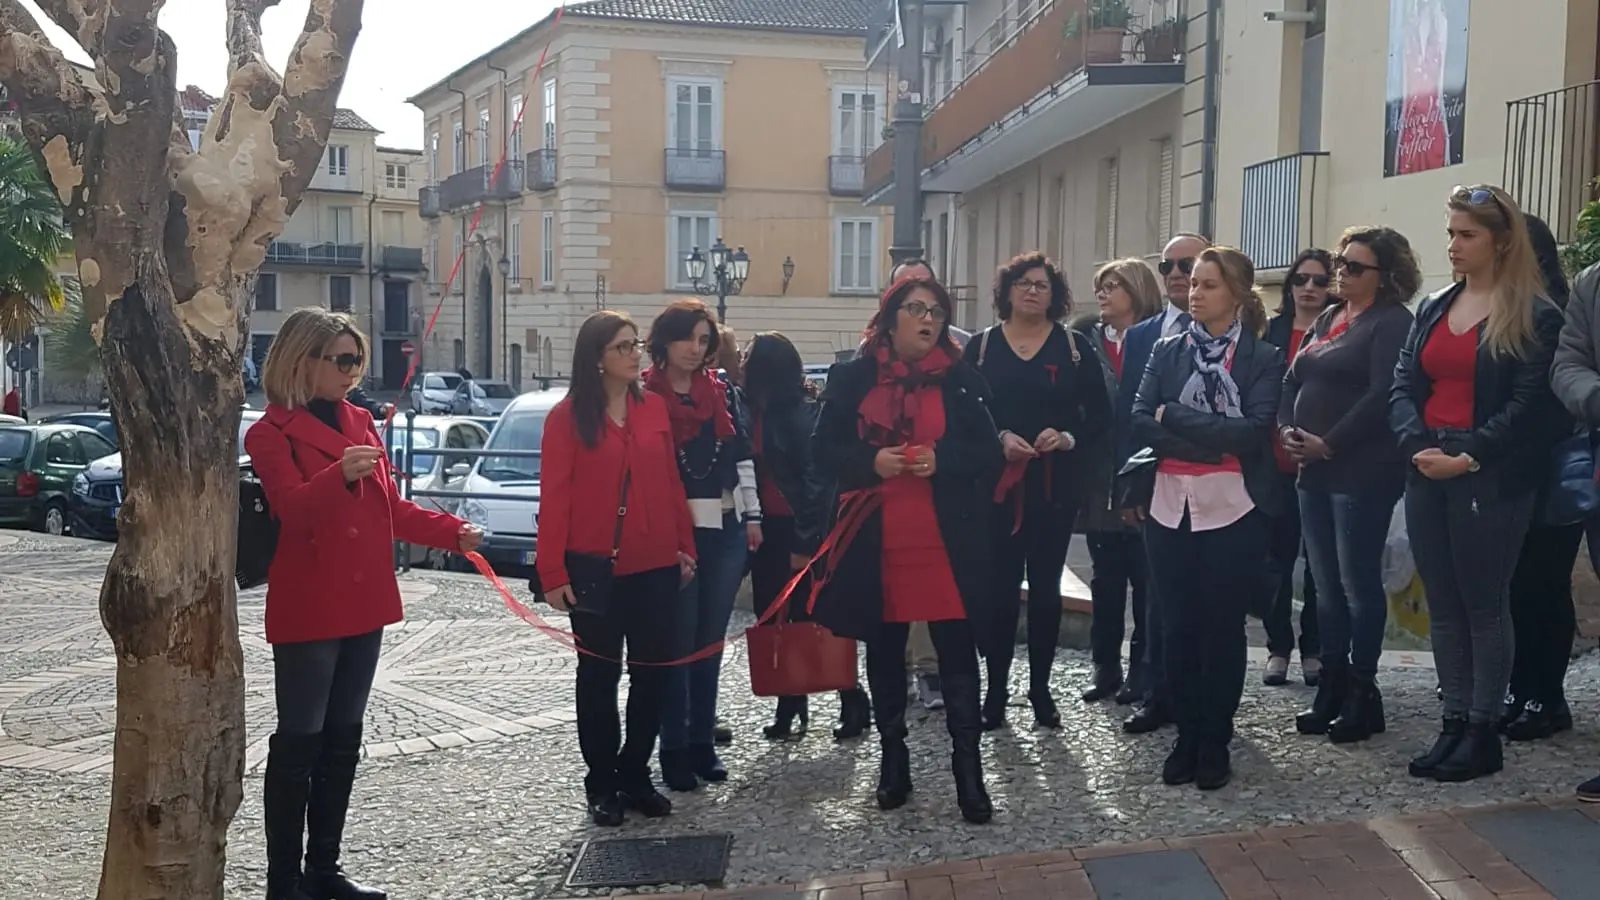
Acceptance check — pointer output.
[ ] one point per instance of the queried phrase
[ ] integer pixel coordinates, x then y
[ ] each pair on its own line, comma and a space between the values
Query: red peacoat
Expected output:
332, 575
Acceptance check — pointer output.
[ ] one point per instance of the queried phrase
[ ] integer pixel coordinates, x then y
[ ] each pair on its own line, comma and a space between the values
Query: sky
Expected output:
405, 45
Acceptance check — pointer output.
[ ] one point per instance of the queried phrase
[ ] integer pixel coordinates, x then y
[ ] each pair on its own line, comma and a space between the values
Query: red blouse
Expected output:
918, 583
1450, 361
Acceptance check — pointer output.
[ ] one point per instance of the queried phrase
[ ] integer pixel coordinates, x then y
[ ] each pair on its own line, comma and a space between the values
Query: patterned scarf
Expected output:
707, 402
1211, 388
888, 410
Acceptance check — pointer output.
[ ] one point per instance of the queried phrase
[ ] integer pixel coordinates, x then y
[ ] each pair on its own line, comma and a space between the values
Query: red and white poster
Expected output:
1426, 106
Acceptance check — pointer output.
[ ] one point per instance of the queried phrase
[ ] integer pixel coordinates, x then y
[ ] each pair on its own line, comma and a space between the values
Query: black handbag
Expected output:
1136, 481
1572, 495
591, 574
258, 534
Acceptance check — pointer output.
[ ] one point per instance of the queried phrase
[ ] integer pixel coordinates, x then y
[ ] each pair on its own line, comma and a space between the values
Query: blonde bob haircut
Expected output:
1139, 281
289, 373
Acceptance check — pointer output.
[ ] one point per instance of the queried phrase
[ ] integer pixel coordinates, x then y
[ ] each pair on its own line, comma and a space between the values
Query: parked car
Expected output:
100, 421
431, 392
510, 523
430, 470
38, 464
481, 397
12, 420
97, 491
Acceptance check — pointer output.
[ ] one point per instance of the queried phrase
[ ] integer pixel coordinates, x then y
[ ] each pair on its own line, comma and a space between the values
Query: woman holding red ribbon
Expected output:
905, 435
1049, 394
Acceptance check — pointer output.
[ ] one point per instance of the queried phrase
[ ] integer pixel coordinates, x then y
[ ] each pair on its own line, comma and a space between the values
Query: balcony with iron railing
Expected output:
429, 203
1279, 215
845, 175
326, 254
542, 169
1034, 79
1552, 154
694, 169
481, 184
400, 259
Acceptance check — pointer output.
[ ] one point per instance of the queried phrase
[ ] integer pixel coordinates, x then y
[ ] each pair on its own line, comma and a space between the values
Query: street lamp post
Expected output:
727, 271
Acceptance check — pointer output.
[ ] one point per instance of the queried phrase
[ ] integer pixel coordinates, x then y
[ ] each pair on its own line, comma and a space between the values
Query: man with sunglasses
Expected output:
1177, 261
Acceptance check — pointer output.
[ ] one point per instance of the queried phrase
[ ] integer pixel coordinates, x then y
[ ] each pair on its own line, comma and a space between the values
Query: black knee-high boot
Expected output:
1043, 636
331, 782
998, 693
963, 719
889, 709
290, 759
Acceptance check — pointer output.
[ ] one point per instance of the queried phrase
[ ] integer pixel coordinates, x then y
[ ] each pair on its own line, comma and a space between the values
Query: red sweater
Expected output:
579, 488
1451, 362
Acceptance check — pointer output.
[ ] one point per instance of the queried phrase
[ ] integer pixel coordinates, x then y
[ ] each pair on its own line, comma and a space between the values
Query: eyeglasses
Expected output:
916, 309
627, 348
347, 362
1356, 269
1109, 286
1185, 265
1029, 286
1476, 196
1301, 279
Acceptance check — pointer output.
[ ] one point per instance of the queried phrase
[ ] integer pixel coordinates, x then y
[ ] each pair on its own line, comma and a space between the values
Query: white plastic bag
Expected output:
1399, 568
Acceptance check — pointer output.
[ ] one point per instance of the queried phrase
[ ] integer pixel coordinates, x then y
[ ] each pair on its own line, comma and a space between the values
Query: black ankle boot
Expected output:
643, 798
1045, 713
705, 764
855, 714
1450, 735
783, 724
1537, 722
1361, 715
963, 719
1179, 767
1478, 754
1107, 681
1133, 688
676, 772
1511, 709
331, 783
290, 761
1325, 707
996, 695
605, 809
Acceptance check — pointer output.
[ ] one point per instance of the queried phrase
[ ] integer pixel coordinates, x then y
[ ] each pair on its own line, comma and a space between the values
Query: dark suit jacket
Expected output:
1136, 347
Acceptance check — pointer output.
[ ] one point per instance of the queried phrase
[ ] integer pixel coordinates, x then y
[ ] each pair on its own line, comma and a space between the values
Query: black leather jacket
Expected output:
1195, 436
785, 457
1516, 419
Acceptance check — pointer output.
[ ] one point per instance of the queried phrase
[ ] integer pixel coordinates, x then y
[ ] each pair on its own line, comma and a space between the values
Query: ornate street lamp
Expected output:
723, 273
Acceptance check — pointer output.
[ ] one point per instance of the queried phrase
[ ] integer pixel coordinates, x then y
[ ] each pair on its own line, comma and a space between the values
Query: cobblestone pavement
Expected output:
473, 788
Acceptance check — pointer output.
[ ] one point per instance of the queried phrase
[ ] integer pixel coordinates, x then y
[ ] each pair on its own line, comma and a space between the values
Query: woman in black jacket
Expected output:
793, 502
905, 435
1206, 407
1475, 415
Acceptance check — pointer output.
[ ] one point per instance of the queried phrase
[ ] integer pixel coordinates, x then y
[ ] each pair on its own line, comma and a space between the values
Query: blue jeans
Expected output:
689, 712
1345, 535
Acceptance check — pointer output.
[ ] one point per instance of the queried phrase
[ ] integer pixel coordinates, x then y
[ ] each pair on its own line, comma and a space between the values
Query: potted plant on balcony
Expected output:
1102, 33
1584, 248
1159, 43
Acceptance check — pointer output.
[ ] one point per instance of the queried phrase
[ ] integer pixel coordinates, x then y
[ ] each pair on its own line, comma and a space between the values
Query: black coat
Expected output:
969, 460
1191, 435
1516, 418
786, 427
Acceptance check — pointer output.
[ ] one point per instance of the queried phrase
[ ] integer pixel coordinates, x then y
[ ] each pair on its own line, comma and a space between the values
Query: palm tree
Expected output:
32, 238
71, 346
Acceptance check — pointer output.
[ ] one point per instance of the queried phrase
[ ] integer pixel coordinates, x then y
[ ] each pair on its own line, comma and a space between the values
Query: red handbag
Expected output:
795, 658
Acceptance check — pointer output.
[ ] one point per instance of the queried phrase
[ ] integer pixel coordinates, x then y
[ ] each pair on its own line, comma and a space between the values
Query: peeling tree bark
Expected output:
168, 239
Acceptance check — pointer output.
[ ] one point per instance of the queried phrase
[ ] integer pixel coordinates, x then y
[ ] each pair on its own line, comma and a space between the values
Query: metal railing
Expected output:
846, 175
430, 205
542, 169
400, 259
323, 254
1279, 210
1552, 154
481, 184
692, 169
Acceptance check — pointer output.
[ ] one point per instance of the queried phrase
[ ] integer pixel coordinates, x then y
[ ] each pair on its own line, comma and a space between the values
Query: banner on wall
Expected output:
1425, 111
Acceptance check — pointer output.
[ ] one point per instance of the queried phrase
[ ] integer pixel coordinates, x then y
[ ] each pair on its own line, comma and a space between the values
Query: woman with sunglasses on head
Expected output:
1206, 407
712, 440
905, 436
1333, 422
1305, 296
1128, 293
1475, 415
609, 487
331, 589
1049, 392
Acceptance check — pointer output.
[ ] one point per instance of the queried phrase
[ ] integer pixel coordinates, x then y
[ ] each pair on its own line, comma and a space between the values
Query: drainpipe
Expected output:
1208, 146
455, 224
505, 214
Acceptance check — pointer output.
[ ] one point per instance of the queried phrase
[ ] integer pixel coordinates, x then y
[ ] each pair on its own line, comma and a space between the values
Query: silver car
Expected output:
481, 397
432, 392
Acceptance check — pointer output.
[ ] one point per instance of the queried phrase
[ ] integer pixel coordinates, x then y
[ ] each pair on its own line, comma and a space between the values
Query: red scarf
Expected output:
887, 411
707, 402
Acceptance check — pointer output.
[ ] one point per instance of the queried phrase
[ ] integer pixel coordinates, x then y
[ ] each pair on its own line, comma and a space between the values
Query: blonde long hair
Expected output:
1517, 280
1138, 280
298, 346
1239, 274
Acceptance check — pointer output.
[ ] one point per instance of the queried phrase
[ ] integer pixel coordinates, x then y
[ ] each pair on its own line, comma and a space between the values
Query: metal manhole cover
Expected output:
636, 862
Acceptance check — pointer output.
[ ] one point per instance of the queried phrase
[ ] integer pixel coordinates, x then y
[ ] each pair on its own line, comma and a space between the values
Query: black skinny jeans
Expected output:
1206, 580
770, 571
1542, 618
324, 685
886, 660
1037, 550
1119, 565
1284, 550
640, 615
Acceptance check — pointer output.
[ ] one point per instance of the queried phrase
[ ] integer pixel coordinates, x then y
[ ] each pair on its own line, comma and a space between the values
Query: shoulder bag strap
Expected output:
983, 345
622, 511
1072, 341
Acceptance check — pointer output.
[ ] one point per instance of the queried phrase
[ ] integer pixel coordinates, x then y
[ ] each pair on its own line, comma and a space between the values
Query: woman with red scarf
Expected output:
718, 471
906, 437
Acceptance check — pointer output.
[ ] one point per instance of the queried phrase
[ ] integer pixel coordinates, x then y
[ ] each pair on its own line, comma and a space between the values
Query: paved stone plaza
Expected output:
473, 789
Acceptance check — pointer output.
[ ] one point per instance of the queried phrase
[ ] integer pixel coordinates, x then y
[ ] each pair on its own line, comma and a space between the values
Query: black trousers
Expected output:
1037, 550
1119, 565
770, 570
640, 618
886, 656
1206, 580
324, 685
1284, 549
1543, 622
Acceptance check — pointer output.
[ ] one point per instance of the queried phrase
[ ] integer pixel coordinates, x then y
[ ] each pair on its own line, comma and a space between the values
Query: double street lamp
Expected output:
727, 271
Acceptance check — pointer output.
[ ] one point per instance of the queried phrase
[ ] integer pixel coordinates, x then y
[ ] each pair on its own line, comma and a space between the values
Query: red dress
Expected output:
918, 584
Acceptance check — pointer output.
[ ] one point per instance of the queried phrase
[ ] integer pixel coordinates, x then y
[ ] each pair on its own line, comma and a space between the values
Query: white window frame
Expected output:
337, 235
433, 157
547, 249
484, 117
456, 245
868, 134
547, 115
677, 276
673, 83
433, 256
337, 157
458, 146
856, 284
514, 238
328, 292
396, 176
514, 125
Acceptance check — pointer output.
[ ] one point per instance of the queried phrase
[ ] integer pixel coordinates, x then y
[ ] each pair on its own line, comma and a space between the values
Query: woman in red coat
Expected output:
331, 589
609, 487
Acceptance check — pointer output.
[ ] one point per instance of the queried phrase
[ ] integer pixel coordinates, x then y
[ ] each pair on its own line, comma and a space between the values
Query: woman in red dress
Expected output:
906, 437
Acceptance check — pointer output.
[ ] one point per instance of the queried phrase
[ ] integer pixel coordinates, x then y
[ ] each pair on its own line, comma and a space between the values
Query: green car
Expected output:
37, 465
